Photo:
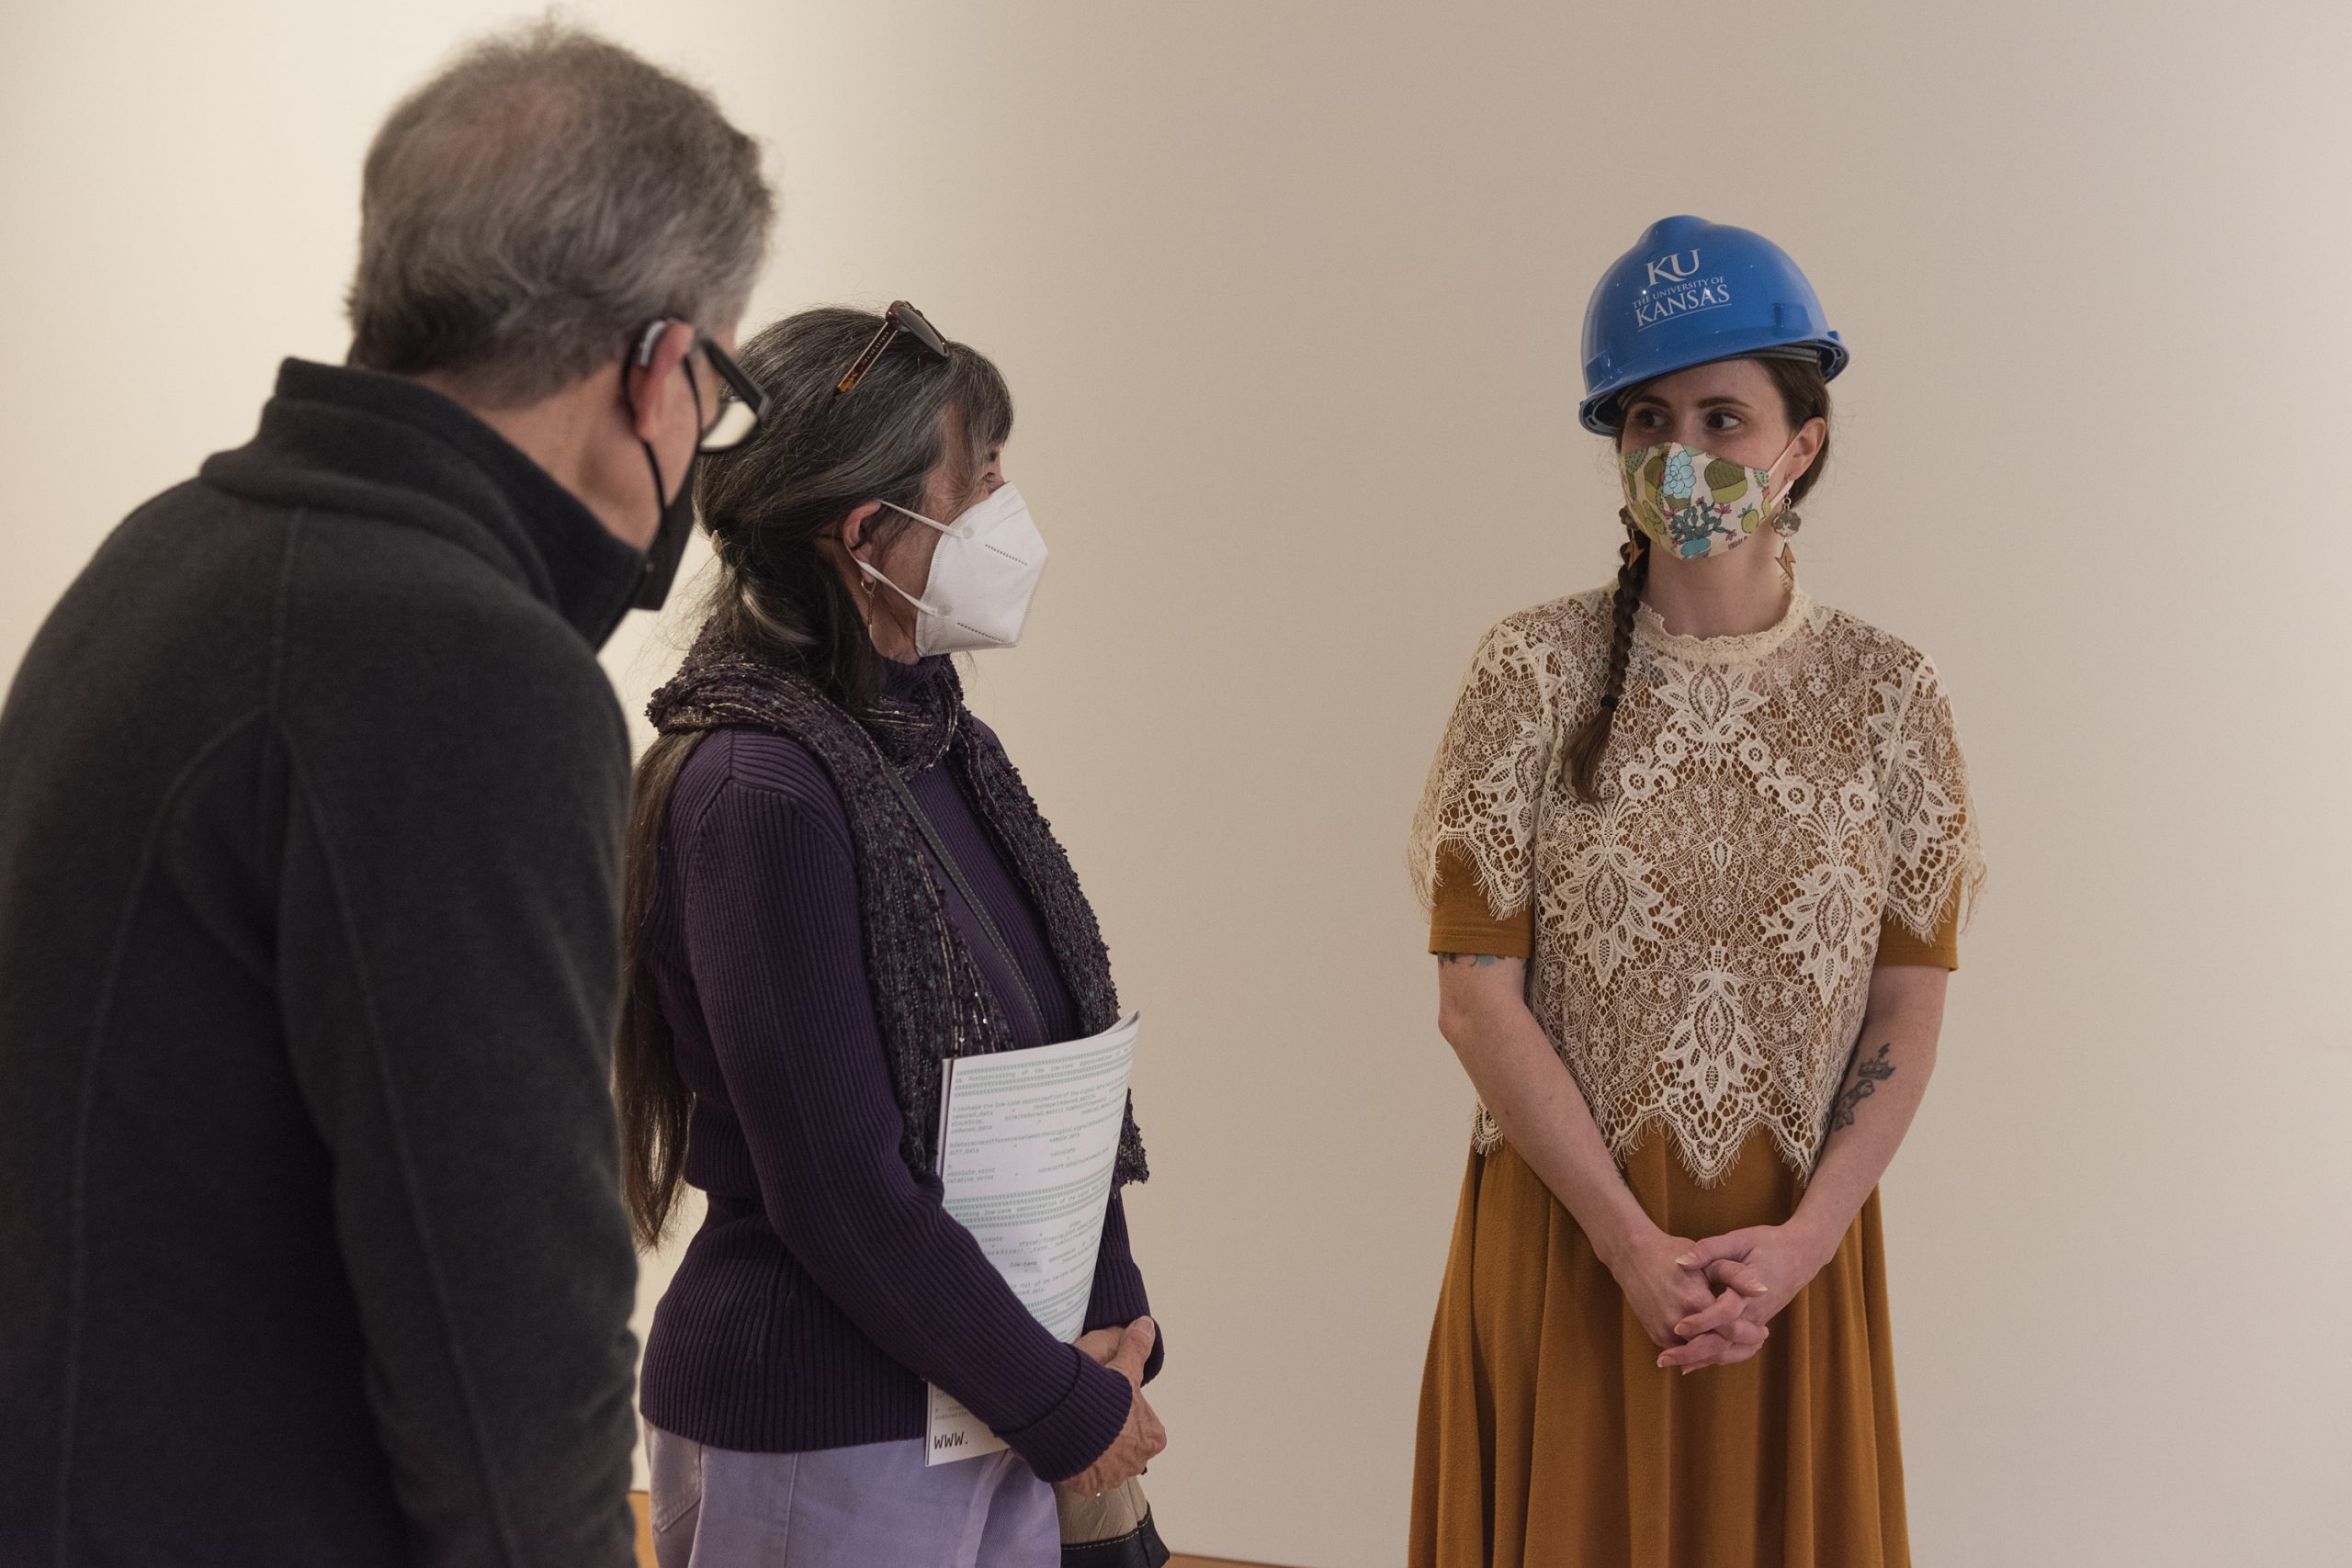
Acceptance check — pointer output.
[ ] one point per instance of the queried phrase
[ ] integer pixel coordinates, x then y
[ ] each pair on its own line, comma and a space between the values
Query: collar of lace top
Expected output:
1747, 648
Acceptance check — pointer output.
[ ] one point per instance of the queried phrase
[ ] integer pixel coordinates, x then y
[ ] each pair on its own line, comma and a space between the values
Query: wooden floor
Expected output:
636, 1502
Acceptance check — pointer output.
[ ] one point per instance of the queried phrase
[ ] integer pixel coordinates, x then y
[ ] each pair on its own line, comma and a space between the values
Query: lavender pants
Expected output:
846, 1508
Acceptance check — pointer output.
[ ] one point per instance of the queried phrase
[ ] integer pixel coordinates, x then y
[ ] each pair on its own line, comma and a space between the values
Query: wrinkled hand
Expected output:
1762, 1268
1123, 1351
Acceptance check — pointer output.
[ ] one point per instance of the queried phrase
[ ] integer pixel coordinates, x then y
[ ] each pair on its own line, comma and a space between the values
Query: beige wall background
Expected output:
1290, 296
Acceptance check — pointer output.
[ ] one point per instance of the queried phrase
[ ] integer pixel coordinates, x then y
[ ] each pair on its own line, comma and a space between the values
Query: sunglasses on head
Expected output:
900, 320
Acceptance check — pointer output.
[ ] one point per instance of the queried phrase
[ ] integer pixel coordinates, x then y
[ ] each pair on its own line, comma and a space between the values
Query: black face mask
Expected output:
677, 525
661, 557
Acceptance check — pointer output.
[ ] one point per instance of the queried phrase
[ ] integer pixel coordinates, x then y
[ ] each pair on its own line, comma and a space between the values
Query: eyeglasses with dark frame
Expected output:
901, 318
741, 404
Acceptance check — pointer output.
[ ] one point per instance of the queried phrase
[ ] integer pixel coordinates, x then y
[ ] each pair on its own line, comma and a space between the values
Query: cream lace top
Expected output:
1704, 934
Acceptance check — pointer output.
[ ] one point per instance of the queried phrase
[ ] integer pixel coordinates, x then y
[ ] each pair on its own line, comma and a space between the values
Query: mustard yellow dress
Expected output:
1781, 814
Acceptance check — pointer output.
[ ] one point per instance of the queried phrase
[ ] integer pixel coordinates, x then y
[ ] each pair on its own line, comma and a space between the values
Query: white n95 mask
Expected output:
983, 574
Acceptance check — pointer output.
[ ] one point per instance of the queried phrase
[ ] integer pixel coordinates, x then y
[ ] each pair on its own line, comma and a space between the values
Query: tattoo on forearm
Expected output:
1869, 1072
1480, 959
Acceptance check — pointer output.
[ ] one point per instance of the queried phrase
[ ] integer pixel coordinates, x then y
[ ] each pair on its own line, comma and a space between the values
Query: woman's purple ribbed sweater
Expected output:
827, 1285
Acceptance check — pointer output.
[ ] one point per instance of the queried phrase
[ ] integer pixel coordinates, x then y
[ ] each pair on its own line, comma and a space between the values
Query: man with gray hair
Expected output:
309, 866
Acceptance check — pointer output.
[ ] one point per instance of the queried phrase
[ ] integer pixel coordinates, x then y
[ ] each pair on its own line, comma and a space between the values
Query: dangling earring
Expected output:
1786, 521
1635, 541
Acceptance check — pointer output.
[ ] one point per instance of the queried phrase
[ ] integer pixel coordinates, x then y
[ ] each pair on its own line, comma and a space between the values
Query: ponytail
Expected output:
656, 1107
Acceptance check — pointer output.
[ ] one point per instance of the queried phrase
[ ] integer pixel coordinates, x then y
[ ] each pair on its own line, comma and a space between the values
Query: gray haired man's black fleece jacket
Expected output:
312, 801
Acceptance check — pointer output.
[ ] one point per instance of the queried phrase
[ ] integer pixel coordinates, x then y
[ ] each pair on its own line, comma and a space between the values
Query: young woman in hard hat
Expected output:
1696, 851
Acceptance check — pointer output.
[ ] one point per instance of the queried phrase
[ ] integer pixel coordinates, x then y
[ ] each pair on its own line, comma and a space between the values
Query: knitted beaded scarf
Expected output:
929, 997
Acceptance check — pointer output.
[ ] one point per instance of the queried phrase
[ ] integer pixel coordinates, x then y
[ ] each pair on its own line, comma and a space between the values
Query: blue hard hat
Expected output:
1691, 292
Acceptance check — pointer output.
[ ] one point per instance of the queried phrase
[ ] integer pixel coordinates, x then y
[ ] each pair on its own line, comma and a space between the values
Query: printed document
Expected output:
1026, 1142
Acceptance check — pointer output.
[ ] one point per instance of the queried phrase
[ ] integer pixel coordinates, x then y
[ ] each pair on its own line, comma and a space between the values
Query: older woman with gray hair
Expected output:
837, 880
310, 874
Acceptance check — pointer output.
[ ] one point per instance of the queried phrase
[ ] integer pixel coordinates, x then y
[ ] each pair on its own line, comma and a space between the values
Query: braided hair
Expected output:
1633, 572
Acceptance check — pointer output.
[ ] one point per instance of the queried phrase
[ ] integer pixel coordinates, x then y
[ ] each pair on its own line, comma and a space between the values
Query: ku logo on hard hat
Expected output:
1644, 321
1704, 296
1672, 269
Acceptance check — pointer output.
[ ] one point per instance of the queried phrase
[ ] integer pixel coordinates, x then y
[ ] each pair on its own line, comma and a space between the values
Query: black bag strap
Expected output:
940, 853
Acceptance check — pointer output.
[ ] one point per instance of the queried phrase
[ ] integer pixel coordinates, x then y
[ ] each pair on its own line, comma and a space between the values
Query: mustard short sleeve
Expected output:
1460, 922
1897, 945
1472, 843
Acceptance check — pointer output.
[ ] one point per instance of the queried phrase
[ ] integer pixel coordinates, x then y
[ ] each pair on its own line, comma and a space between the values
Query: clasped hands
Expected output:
1123, 1351
1708, 1303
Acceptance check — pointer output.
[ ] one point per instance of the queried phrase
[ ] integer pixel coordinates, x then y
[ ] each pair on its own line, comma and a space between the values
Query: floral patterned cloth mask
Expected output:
1693, 503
